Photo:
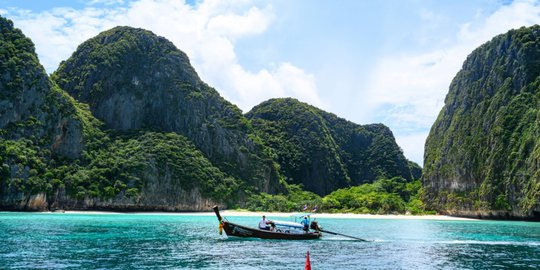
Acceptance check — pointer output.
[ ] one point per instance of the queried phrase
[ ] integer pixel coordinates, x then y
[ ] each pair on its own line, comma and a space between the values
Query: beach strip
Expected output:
240, 213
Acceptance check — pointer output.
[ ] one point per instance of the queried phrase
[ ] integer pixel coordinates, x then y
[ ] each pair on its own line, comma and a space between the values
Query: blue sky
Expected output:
387, 62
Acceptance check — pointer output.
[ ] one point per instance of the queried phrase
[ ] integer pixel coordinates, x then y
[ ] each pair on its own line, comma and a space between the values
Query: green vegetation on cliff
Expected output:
52, 144
15, 55
324, 152
483, 151
134, 80
126, 124
122, 168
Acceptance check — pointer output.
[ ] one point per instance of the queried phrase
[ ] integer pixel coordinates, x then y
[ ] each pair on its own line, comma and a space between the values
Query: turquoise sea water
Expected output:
152, 241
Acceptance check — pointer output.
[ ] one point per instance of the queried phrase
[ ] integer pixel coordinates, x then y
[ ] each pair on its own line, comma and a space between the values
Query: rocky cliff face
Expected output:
29, 103
133, 79
324, 152
37, 120
126, 124
482, 153
149, 171
146, 156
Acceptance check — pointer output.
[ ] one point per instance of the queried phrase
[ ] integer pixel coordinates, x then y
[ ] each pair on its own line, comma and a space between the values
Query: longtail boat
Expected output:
283, 230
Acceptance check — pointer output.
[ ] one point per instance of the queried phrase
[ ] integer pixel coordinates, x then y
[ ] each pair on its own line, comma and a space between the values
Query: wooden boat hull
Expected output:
232, 229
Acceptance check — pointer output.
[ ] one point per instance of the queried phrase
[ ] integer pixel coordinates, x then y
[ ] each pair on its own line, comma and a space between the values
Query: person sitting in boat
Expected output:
272, 226
305, 222
263, 224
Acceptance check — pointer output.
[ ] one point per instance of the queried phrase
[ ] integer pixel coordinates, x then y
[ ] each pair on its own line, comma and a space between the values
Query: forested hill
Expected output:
143, 132
134, 80
482, 154
37, 121
127, 124
324, 152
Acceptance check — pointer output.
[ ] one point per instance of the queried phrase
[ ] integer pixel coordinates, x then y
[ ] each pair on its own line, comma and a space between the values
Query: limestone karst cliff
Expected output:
38, 121
324, 152
483, 151
133, 79
127, 124
165, 142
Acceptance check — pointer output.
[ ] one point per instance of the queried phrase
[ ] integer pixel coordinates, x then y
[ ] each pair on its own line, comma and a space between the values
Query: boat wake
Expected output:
469, 242
478, 242
346, 239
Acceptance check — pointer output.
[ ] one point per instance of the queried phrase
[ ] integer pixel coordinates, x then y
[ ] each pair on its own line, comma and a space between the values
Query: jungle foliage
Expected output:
127, 113
384, 196
324, 152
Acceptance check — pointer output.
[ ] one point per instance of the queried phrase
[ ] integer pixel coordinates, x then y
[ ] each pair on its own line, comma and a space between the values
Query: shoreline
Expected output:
241, 213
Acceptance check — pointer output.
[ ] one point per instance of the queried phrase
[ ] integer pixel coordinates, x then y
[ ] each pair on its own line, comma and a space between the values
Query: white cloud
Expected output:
414, 85
206, 32
408, 90
410, 144
285, 80
105, 2
254, 21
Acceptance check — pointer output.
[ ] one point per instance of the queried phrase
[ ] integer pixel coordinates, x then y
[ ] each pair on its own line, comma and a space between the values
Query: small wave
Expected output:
338, 239
458, 242
348, 239
478, 242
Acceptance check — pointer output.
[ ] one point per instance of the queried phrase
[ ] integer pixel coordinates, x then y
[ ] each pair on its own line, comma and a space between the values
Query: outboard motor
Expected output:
314, 226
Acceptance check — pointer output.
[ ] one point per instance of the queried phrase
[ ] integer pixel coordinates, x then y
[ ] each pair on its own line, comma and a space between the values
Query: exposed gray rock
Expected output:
133, 79
482, 153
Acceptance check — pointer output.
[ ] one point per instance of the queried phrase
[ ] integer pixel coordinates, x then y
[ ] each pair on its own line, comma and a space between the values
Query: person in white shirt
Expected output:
263, 224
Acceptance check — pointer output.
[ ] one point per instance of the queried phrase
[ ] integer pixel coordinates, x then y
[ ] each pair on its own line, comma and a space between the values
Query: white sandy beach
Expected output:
270, 215
343, 215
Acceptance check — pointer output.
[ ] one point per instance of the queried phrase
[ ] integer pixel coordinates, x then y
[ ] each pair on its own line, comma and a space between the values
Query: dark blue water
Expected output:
136, 241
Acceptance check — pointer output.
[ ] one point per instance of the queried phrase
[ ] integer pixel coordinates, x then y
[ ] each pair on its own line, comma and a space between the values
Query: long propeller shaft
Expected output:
353, 237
